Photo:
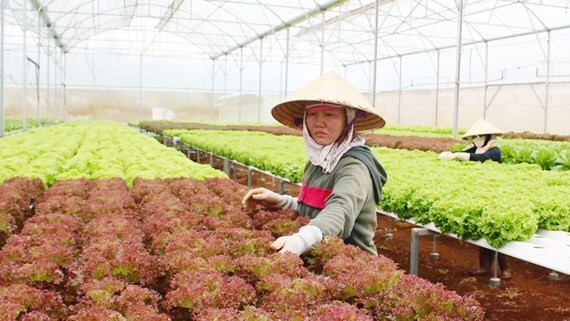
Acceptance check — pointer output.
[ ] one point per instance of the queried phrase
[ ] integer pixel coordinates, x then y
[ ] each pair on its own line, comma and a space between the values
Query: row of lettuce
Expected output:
17, 124
548, 154
92, 150
498, 202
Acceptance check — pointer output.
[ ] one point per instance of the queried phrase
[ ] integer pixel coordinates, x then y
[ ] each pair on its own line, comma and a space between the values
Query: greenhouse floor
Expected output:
529, 295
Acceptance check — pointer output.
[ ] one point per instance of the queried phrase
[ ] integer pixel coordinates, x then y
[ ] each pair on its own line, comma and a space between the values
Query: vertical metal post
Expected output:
211, 159
375, 61
434, 254
48, 60
240, 81
400, 92
213, 86
415, 247
546, 100
55, 83
437, 89
322, 41
458, 67
25, 74
495, 281
287, 63
260, 80
486, 79
389, 235
64, 86
249, 177
414, 251
225, 81
38, 72
140, 83
226, 166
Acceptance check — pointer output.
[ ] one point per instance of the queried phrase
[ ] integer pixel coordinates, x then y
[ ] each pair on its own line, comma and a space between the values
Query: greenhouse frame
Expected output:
433, 63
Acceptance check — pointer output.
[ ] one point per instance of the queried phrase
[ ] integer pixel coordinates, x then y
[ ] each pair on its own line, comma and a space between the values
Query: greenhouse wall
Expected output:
511, 108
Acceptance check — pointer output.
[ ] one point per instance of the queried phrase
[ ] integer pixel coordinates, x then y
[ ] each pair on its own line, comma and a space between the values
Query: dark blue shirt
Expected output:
493, 154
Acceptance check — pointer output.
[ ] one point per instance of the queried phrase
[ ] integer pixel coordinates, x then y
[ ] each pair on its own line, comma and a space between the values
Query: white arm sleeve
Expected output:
287, 202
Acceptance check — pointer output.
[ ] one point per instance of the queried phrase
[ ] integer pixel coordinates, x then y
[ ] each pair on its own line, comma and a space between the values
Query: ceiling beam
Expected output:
284, 25
49, 24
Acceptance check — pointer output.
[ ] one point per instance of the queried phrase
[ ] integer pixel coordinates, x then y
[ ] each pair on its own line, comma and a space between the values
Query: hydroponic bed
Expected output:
529, 295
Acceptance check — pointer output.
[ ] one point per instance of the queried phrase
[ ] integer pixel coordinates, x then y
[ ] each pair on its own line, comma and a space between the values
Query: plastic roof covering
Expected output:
211, 29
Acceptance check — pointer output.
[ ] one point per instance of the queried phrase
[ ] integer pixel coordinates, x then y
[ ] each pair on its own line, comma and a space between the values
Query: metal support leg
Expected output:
553, 276
227, 166
281, 183
415, 247
211, 160
495, 281
198, 156
434, 255
249, 177
389, 235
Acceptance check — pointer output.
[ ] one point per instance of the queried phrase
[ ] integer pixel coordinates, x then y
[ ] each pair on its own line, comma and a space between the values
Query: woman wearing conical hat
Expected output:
482, 135
342, 182
483, 139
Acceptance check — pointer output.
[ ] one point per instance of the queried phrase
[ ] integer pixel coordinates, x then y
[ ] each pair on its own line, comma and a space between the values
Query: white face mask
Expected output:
479, 141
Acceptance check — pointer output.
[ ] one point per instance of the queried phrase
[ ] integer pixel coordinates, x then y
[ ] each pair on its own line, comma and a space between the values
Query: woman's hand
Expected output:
299, 242
459, 156
447, 155
263, 196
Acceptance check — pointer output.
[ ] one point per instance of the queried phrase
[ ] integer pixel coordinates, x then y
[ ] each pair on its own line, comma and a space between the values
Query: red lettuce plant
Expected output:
208, 289
185, 188
145, 189
42, 252
94, 312
128, 260
254, 268
363, 277
72, 205
102, 291
230, 191
414, 298
279, 292
68, 188
339, 311
235, 218
17, 196
35, 316
20, 299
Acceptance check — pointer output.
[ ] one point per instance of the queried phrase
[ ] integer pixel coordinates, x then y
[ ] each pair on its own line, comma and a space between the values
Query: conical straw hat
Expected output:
329, 88
482, 127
